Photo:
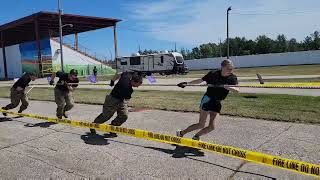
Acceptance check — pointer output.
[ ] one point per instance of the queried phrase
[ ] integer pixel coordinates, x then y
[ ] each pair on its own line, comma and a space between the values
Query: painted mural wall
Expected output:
75, 60
24, 58
29, 55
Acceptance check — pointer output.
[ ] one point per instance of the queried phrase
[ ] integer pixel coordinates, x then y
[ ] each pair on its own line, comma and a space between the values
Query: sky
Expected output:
162, 24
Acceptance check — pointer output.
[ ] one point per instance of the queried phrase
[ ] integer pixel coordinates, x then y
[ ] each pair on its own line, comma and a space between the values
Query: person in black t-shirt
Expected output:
18, 94
63, 91
211, 101
117, 100
95, 71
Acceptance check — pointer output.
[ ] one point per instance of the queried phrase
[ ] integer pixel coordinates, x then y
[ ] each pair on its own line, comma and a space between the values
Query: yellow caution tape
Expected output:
257, 157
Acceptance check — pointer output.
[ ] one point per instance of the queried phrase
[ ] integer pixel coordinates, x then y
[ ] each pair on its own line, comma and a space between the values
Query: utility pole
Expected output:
229, 9
60, 35
220, 48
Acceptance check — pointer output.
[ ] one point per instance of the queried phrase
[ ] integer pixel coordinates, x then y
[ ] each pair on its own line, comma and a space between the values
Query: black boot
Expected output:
93, 131
65, 114
4, 114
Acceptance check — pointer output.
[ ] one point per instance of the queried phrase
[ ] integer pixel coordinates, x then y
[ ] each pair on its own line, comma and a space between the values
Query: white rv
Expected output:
162, 63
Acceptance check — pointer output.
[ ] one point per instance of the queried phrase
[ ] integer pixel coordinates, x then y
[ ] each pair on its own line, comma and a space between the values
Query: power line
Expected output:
276, 13
141, 30
155, 29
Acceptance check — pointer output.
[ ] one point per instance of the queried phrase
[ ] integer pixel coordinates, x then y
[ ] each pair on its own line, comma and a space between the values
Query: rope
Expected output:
282, 85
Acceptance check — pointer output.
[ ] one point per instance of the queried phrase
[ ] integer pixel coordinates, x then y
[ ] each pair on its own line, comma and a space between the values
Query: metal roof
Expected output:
24, 29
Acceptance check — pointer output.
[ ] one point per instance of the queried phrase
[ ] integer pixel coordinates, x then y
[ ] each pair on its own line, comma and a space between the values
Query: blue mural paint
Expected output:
29, 55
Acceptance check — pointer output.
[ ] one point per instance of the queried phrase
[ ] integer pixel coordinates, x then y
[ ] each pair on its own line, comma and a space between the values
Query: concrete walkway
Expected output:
32, 149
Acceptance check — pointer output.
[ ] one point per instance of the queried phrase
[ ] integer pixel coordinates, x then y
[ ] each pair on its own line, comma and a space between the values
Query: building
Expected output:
30, 44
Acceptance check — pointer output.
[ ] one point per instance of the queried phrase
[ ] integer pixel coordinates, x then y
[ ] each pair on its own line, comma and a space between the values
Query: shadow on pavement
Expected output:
94, 139
42, 124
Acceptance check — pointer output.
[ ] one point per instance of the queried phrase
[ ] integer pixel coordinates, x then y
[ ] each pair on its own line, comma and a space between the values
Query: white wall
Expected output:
14, 66
70, 56
275, 59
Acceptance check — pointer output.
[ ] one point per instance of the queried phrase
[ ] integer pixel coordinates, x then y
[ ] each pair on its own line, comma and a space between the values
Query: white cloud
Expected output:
160, 13
196, 22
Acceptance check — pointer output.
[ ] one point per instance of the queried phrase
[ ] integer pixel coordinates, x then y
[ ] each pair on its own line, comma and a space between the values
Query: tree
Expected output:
234, 46
281, 44
196, 53
189, 55
215, 49
293, 45
241, 46
316, 40
183, 53
307, 43
264, 45
206, 51
250, 47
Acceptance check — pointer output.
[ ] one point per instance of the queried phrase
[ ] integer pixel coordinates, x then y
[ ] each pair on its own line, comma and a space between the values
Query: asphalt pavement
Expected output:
32, 149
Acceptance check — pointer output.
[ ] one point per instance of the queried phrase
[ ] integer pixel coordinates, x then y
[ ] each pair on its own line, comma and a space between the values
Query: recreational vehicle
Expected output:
162, 63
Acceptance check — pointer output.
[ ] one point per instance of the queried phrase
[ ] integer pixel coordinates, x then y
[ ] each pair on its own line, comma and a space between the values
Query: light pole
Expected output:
229, 9
110, 54
220, 48
60, 34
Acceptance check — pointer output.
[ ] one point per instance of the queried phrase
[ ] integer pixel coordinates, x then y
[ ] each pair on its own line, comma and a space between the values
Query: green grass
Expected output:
287, 108
99, 78
264, 71
280, 70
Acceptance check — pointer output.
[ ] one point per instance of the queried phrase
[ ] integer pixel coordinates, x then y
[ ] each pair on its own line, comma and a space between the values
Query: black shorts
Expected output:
209, 104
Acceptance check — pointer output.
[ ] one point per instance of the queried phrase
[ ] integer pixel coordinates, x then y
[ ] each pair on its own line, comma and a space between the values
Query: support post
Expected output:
3, 46
115, 44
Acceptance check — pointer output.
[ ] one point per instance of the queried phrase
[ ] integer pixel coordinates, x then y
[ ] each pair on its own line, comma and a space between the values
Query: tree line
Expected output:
240, 46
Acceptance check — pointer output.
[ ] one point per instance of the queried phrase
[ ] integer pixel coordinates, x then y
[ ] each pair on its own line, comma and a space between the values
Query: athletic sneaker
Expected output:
112, 134
197, 138
179, 134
